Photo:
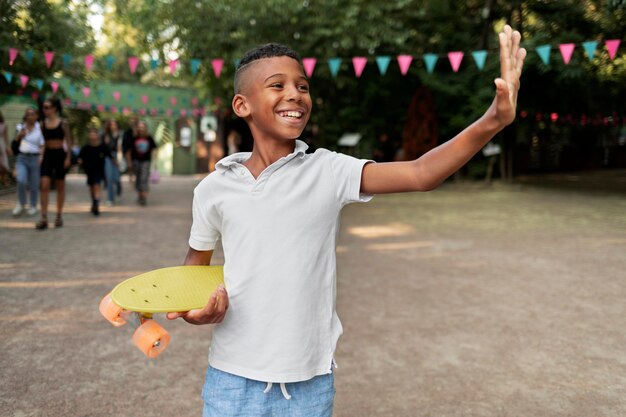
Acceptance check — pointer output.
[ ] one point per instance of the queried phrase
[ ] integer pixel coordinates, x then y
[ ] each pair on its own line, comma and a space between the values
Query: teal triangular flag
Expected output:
334, 64
195, 66
131, 96
590, 48
110, 60
160, 99
72, 90
479, 58
67, 58
430, 60
100, 94
544, 53
154, 63
236, 62
39, 84
383, 63
29, 56
8, 76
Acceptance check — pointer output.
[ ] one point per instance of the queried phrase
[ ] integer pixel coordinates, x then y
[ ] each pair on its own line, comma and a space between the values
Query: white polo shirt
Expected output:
279, 235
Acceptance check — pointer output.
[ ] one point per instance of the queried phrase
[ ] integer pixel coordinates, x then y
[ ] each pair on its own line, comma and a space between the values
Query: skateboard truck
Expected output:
149, 336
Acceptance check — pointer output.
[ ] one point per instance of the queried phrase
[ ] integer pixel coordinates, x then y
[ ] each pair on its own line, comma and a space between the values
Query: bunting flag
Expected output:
8, 76
333, 65
49, 57
39, 83
88, 62
109, 60
359, 62
144, 99
173, 100
67, 59
479, 59
24, 80
29, 54
309, 66
154, 63
590, 49
567, 49
173, 64
217, 65
383, 63
404, 61
194, 102
430, 60
117, 95
55, 86
86, 91
195, 66
133, 61
455, 59
612, 46
544, 53
13, 52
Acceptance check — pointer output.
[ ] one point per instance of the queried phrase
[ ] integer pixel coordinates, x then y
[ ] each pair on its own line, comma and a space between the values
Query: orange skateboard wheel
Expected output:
151, 338
111, 311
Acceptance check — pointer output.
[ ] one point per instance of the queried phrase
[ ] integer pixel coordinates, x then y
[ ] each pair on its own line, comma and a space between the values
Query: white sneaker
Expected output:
18, 209
109, 203
31, 211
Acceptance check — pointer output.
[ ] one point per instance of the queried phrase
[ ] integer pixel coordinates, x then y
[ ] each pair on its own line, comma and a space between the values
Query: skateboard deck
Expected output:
173, 289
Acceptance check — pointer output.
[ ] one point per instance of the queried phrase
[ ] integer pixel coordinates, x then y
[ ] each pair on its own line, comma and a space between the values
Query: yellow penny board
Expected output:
174, 289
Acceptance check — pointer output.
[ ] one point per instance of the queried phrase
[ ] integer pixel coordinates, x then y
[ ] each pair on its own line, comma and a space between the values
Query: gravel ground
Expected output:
472, 300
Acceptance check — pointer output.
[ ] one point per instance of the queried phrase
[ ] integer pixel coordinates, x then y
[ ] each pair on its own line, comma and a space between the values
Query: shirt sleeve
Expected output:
347, 171
204, 229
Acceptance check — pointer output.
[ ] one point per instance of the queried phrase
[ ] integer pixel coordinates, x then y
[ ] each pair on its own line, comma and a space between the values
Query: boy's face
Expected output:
274, 98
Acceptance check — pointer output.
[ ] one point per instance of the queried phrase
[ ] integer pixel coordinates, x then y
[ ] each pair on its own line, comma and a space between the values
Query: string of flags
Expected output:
430, 60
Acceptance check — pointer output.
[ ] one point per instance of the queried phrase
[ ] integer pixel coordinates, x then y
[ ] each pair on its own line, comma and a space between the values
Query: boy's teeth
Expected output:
295, 114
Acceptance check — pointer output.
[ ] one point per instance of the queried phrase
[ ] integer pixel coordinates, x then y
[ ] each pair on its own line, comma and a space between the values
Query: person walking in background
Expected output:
92, 158
5, 151
112, 139
127, 142
56, 159
31, 142
139, 158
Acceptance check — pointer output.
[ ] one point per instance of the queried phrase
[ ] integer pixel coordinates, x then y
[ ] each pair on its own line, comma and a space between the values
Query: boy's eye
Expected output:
304, 88
276, 85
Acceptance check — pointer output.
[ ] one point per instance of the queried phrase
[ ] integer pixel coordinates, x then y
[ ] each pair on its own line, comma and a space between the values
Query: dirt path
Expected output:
468, 301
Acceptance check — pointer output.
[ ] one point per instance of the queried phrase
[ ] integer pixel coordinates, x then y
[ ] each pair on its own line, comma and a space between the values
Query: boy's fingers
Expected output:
174, 316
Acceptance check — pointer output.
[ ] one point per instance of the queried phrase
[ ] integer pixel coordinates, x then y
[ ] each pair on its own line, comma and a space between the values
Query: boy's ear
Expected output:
240, 106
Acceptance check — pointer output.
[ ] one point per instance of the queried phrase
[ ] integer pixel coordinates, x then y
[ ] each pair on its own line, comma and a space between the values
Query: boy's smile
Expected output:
274, 99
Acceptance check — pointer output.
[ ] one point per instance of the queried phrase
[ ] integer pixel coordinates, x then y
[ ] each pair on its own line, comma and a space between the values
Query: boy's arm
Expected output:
215, 310
432, 168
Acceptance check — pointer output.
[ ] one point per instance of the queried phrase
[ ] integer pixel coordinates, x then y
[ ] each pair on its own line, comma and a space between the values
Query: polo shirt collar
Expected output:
239, 158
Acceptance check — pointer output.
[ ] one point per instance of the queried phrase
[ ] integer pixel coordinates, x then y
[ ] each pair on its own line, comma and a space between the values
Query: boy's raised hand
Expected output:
507, 86
213, 312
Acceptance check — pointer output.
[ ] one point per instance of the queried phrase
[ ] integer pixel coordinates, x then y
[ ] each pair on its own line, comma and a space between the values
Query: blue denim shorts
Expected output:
227, 395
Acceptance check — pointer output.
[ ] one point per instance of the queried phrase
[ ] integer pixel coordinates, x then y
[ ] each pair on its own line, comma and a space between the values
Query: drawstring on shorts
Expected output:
283, 389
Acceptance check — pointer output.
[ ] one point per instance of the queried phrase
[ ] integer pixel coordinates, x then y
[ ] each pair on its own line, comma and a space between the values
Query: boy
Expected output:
91, 158
276, 210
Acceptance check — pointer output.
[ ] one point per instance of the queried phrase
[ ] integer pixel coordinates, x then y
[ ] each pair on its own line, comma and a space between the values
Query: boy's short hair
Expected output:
269, 50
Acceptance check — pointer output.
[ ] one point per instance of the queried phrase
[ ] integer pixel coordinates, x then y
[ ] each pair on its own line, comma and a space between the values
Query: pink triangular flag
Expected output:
144, 99
566, 51
183, 112
358, 62
173, 65
100, 107
13, 55
194, 101
113, 109
173, 101
142, 112
133, 61
405, 63
154, 112
116, 95
49, 56
217, 65
168, 112
309, 66
55, 86
88, 62
455, 60
24, 80
86, 91
612, 46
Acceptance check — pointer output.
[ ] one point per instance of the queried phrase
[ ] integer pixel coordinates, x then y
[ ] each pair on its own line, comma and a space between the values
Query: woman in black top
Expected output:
56, 159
